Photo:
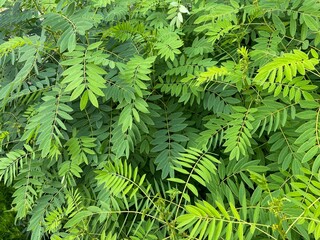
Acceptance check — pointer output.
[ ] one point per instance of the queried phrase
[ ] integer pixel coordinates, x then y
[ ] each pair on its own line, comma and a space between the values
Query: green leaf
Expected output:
218, 230
310, 22
84, 100
278, 23
192, 188
77, 218
94, 45
72, 42
293, 26
77, 92
93, 99
310, 154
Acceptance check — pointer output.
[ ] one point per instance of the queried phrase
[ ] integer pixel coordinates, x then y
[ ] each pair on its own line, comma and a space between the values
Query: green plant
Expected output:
8, 230
161, 119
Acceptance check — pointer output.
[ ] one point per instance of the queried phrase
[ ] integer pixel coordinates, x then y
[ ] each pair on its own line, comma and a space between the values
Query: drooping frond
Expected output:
120, 179
286, 67
47, 126
198, 167
71, 24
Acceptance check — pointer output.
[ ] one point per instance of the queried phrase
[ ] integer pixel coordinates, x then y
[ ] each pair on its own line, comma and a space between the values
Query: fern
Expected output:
25, 194
266, 48
28, 54
47, 124
286, 67
199, 47
305, 197
168, 44
10, 164
219, 99
160, 119
84, 78
212, 73
213, 135
273, 115
238, 134
127, 179
308, 130
201, 167
168, 142
70, 24
12, 44
209, 222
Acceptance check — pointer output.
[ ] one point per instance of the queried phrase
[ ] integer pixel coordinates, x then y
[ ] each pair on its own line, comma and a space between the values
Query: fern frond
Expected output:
264, 53
47, 125
272, 115
199, 168
238, 135
168, 44
77, 23
124, 31
211, 222
309, 139
12, 44
29, 178
120, 179
78, 148
219, 99
212, 73
28, 55
9, 165
84, 77
168, 142
199, 47
213, 135
286, 66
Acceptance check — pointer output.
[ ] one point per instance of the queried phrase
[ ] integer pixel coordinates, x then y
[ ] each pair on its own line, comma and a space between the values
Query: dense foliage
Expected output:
8, 230
161, 119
